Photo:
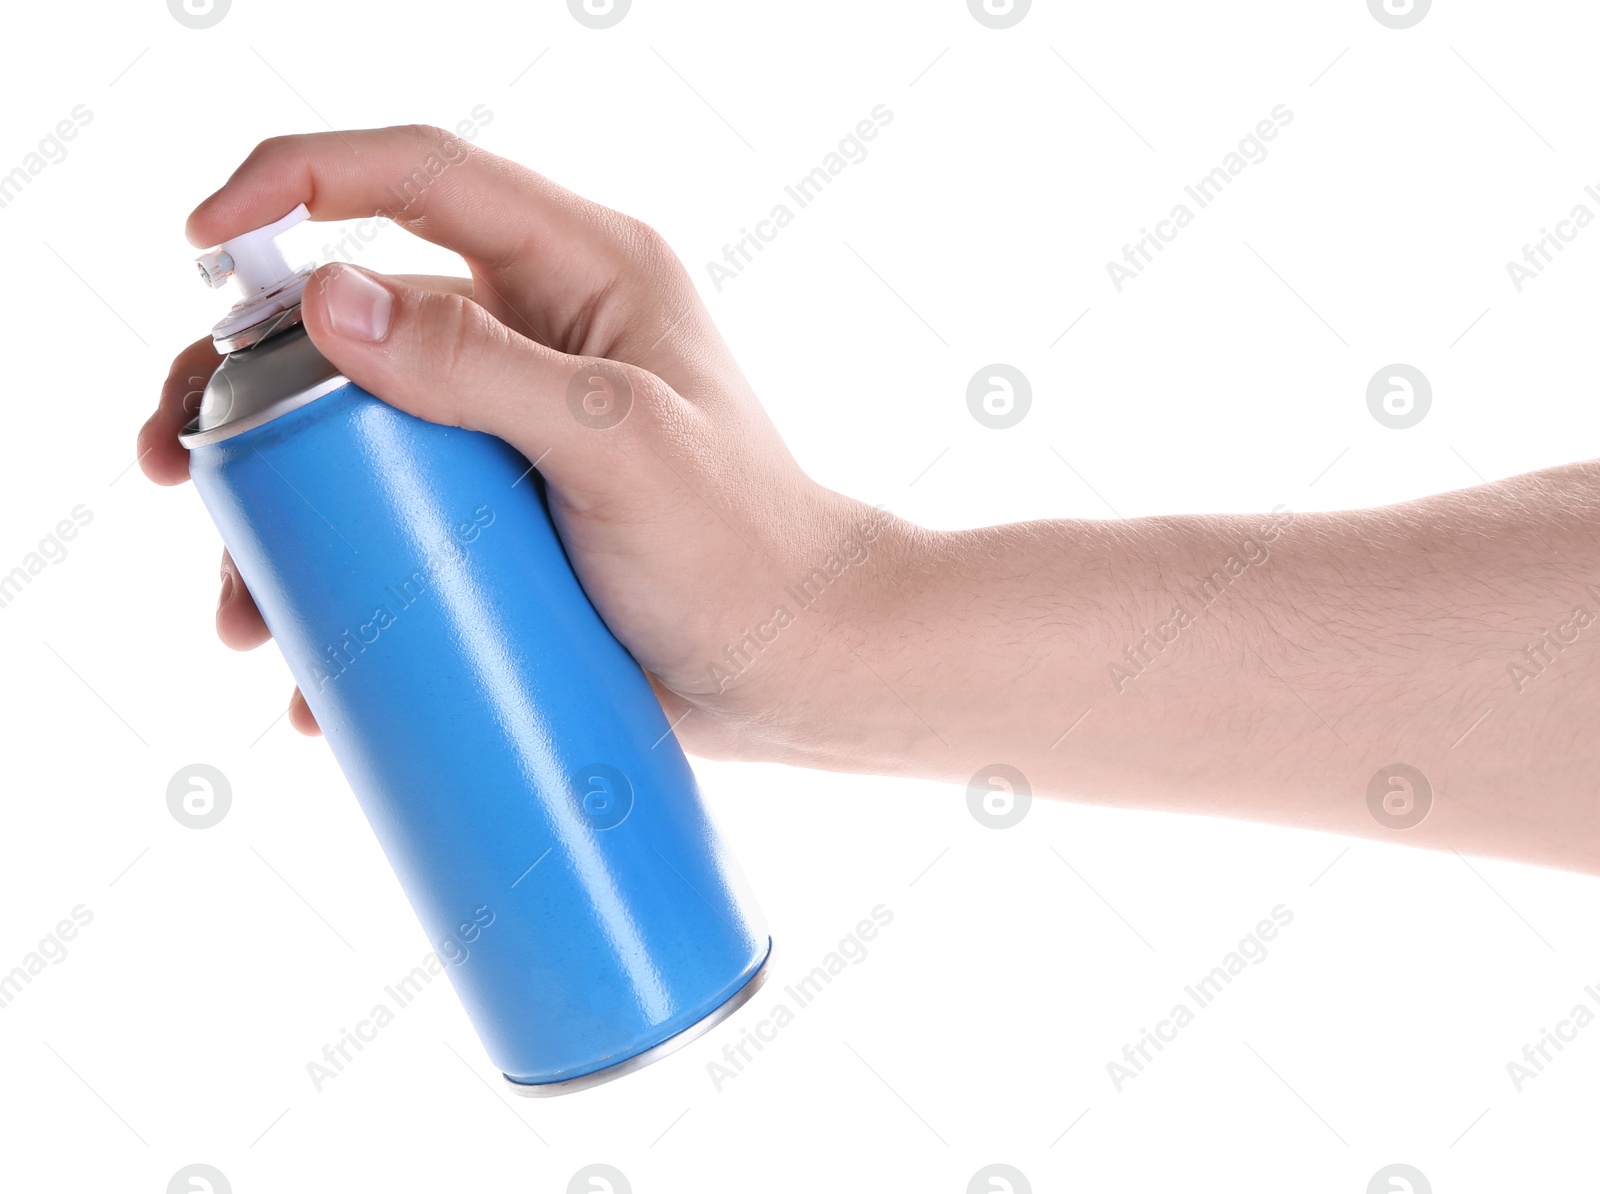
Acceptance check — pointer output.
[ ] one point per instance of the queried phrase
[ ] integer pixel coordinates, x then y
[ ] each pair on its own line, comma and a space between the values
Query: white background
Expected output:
1019, 962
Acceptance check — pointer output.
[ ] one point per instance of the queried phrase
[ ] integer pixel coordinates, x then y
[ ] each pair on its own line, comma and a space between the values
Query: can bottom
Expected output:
638, 1061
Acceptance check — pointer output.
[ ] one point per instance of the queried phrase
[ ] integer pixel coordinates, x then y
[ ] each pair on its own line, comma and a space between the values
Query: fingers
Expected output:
300, 716
239, 622
163, 459
485, 208
558, 268
241, 626
555, 267
447, 360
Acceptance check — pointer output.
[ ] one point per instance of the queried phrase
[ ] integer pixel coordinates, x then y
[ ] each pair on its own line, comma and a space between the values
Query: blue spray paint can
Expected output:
507, 750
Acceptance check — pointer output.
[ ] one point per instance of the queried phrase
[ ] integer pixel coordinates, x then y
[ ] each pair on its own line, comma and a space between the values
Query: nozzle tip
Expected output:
216, 267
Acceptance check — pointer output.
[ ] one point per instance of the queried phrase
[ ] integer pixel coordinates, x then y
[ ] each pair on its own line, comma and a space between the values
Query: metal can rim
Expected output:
192, 437
671, 1045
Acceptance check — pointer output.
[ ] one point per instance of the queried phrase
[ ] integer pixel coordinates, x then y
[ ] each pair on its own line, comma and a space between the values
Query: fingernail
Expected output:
227, 589
358, 307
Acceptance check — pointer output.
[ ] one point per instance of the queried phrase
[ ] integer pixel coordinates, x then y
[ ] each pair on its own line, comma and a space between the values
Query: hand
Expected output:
685, 521
1154, 662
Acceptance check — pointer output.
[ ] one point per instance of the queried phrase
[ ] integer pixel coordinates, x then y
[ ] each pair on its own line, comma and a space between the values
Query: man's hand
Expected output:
580, 340
1195, 664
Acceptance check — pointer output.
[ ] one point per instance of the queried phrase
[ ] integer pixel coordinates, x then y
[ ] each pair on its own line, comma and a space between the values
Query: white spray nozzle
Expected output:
268, 285
252, 259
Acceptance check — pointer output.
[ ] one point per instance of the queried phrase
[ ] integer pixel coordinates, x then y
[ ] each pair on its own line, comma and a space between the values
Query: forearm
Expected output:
1256, 666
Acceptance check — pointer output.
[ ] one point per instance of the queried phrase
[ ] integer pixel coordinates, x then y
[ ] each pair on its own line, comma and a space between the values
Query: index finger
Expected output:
429, 181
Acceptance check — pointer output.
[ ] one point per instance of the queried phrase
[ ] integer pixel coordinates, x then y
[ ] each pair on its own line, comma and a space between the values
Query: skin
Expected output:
1327, 647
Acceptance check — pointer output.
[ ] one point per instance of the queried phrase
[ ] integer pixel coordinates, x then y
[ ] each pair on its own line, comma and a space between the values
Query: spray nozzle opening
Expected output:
269, 288
252, 259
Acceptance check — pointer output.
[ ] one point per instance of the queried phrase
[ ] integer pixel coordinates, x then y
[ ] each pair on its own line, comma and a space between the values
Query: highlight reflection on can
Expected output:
507, 750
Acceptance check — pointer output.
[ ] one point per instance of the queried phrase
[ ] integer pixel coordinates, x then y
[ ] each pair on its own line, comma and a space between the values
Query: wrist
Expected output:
845, 705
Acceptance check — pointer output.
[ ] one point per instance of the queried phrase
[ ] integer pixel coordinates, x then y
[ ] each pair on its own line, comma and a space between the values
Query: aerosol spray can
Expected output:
507, 750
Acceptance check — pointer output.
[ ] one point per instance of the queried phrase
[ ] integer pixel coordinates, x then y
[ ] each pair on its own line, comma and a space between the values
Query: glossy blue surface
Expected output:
507, 750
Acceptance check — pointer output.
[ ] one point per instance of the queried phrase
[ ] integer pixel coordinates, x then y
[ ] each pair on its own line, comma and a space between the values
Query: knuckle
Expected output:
644, 237
275, 147
655, 405
423, 133
644, 246
460, 335
623, 401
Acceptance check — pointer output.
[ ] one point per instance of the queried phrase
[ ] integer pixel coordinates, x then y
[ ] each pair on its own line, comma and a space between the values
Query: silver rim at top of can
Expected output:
255, 385
656, 1052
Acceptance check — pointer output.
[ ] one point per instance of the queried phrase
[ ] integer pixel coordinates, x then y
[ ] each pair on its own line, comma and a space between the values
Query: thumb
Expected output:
442, 357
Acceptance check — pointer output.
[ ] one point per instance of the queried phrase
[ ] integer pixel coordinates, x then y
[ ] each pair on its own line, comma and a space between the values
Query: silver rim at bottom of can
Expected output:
538, 1090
